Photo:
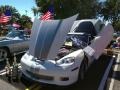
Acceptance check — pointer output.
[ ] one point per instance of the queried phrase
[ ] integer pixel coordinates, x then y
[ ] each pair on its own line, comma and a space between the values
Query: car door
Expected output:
23, 45
18, 45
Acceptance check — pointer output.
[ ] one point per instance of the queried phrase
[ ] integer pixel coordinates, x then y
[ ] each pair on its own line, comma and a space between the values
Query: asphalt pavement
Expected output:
114, 77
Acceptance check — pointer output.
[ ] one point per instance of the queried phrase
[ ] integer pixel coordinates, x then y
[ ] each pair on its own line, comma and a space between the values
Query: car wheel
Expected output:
83, 69
86, 63
3, 54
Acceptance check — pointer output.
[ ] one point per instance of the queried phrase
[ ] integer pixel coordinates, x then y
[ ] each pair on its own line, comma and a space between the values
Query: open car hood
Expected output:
48, 36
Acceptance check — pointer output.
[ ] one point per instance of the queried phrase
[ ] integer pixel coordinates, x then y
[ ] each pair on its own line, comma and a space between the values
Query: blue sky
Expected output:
20, 5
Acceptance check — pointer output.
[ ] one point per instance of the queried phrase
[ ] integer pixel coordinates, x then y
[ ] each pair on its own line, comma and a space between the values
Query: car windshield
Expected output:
86, 27
15, 33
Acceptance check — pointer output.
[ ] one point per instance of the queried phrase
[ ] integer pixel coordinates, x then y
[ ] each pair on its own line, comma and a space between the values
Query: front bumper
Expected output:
47, 71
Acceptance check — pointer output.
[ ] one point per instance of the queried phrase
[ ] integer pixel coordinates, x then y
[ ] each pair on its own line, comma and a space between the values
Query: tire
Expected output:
4, 53
83, 69
25, 80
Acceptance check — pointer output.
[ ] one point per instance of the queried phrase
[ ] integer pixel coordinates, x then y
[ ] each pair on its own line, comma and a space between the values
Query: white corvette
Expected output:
58, 57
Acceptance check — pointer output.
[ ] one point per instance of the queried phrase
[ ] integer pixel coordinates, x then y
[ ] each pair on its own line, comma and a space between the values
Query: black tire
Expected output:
25, 80
86, 63
83, 69
4, 54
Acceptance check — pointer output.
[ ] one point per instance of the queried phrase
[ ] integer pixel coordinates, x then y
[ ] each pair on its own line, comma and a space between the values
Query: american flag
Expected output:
5, 17
49, 14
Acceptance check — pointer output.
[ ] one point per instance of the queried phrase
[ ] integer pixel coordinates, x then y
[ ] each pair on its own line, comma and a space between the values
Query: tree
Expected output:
35, 11
66, 8
88, 9
111, 12
25, 22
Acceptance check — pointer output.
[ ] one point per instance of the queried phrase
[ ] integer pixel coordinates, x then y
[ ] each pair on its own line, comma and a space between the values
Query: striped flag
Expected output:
5, 17
49, 14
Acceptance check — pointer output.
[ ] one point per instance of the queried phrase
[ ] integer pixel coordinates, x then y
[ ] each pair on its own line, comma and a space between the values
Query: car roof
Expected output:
94, 22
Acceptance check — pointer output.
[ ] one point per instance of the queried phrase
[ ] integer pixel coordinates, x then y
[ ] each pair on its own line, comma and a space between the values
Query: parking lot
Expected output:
113, 81
93, 79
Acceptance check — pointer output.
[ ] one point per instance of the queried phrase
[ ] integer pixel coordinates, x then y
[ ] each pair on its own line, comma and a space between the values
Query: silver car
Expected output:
14, 42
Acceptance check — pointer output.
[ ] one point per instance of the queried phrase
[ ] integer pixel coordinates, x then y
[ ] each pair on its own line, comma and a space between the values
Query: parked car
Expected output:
15, 41
57, 56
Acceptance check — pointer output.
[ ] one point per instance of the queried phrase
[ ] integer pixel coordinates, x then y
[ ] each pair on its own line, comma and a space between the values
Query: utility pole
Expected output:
26, 12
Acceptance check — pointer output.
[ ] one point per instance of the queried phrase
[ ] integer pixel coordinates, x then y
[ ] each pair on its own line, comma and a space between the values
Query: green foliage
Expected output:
116, 25
35, 11
111, 11
88, 9
66, 8
25, 22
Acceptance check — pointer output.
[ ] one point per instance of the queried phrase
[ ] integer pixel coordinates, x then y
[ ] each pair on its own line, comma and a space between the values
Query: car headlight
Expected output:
27, 56
68, 60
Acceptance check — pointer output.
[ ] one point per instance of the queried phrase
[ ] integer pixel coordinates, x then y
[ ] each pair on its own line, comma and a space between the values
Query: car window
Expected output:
14, 34
86, 27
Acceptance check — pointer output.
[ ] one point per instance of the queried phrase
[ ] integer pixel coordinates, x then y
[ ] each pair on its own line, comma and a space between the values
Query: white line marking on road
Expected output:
102, 83
115, 69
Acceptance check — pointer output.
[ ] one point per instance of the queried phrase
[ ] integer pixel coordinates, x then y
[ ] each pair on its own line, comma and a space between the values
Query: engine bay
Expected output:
72, 43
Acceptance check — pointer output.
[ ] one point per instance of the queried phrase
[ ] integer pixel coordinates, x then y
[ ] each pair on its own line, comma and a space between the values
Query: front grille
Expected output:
42, 77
